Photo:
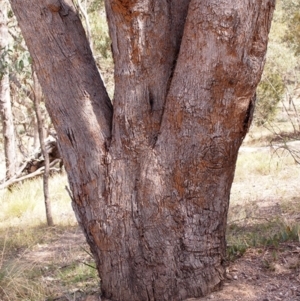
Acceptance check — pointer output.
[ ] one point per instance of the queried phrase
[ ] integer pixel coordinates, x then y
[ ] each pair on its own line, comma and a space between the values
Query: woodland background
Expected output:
53, 263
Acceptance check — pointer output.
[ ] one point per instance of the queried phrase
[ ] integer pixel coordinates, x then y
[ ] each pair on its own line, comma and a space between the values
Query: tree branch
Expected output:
220, 63
144, 65
38, 172
76, 98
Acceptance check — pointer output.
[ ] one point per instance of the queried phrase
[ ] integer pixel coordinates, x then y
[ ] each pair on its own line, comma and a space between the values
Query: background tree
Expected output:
292, 18
16, 66
151, 176
5, 101
37, 100
83, 10
19, 124
278, 93
279, 85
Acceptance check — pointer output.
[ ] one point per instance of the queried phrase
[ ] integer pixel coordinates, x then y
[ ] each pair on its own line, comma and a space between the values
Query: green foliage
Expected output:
96, 6
4, 61
291, 16
23, 63
13, 61
99, 39
269, 93
99, 29
77, 273
100, 35
262, 235
292, 36
281, 61
236, 251
15, 58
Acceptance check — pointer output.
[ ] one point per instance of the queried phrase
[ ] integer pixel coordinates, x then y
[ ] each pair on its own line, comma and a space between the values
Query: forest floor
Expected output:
261, 274
264, 217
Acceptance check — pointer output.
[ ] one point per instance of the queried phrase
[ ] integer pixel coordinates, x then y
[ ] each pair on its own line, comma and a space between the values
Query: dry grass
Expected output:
264, 205
38, 262
55, 265
24, 204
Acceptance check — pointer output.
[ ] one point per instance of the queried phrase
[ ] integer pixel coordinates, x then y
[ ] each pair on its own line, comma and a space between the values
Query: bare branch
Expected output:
38, 172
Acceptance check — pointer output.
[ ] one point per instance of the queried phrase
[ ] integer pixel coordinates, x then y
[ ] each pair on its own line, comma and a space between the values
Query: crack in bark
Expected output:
249, 114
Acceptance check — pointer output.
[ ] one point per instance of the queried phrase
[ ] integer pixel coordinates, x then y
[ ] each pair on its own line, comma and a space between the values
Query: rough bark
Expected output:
151, 181
5, 101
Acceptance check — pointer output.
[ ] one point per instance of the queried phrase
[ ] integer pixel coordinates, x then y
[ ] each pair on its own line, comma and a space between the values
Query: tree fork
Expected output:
151, 179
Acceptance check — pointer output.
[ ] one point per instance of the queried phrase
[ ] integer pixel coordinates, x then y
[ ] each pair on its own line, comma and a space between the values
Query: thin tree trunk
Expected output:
40, 124
151, 179
29, 93
5, 101
83, 10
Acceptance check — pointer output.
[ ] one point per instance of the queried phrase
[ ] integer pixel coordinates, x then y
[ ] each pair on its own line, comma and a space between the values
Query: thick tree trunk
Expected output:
151, 179
5, 102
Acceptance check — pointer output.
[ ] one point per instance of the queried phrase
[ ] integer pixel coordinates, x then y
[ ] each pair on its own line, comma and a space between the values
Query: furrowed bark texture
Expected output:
151, 179
5, 101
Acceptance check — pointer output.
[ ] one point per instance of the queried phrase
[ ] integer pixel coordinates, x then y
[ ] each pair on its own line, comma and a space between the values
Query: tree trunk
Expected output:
83, 10
151, 177
5, 102
37, 99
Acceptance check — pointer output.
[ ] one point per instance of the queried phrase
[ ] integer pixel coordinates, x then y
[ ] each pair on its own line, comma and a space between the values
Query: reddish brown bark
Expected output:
151, 191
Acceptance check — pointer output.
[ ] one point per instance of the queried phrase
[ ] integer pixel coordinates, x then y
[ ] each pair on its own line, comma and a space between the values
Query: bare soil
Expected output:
262, 275
259, 275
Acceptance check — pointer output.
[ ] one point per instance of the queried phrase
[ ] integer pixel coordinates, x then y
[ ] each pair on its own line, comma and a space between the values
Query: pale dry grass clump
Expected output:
18, 281
263, 175
54, 265
23, 204
264, 205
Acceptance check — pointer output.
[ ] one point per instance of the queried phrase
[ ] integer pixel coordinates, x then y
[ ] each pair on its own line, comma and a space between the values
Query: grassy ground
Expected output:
265, 202
37, 262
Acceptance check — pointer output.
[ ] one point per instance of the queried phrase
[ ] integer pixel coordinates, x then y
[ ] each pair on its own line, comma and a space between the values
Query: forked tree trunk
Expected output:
151, 177
5, 101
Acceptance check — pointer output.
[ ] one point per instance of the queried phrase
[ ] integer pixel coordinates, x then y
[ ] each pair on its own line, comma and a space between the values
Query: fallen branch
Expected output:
38, 172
